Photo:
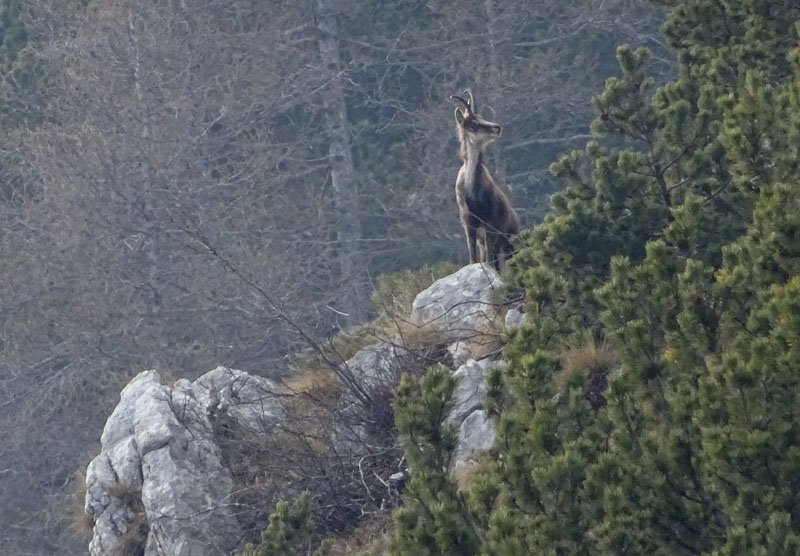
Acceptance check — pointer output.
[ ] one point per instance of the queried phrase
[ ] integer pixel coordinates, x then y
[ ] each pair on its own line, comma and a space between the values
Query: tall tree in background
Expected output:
346, 213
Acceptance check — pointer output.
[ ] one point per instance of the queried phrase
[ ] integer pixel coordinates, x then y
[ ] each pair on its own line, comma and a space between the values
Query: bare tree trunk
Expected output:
146, 175
345, 194
496, 87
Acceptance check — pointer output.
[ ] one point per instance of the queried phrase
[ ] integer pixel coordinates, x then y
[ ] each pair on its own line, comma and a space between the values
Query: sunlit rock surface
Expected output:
460, 305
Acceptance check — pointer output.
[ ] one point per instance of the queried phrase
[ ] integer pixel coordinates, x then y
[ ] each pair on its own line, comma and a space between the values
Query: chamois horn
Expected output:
464, 102
468, 92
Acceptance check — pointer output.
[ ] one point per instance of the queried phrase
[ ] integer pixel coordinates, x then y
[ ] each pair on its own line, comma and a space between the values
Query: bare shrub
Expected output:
305, 452
330, 441
370, 538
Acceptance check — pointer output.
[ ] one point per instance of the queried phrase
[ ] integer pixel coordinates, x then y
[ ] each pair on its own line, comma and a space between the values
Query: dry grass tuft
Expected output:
133, 540
588, 356
128, 496
81, 524
588, 364
488, 337
369, 538
312, 380
477, 465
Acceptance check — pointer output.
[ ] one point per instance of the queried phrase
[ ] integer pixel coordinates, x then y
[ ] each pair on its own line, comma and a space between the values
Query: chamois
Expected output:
485, 212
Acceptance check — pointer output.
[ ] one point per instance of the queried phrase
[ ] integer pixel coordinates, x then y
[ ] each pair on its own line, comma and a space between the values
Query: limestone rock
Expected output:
120, 424
377, 364
476, 433
515, 317
475, 436
475, 429
160, 472
186, 487
470, 389
108, 477
252, 401
459, 305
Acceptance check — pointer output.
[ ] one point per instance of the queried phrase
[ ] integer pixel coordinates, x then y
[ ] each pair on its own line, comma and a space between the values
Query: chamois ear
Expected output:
472, 107
459, 116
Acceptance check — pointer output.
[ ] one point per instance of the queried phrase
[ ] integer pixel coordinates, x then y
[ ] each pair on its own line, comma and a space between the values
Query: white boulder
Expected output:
459, 305
160, 474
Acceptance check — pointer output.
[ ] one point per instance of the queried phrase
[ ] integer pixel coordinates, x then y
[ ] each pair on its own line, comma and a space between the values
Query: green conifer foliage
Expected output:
289, 532
677, 241
434, 520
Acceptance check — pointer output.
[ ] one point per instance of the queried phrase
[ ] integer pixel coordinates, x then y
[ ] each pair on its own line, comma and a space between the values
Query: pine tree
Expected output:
676, 240
289, 532
434, 520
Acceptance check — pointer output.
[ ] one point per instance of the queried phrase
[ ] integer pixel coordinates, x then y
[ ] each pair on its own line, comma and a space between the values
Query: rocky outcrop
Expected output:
161, 485
515, 317
475, 436
470, 390
252, 402
475, 429
460, 305
376, 364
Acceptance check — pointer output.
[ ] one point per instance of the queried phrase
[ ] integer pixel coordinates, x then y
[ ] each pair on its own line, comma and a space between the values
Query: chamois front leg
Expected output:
471, 233
483, 247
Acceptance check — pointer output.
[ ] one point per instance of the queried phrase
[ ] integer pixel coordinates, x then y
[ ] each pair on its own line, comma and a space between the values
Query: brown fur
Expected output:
484, 209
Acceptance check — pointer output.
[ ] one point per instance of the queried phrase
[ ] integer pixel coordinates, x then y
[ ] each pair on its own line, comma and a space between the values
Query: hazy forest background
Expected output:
180, 179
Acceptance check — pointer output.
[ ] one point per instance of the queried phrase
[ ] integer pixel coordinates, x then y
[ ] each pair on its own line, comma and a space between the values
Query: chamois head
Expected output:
472, 128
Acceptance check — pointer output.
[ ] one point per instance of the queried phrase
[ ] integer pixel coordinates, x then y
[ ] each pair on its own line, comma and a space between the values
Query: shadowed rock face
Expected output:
160, 486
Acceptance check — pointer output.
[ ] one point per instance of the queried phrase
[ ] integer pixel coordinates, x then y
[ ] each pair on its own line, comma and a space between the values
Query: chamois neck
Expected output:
472, 170
471, 154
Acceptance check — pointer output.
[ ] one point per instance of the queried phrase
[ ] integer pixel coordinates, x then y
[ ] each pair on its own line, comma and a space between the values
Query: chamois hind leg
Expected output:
491, 249
504, 251
483, 246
